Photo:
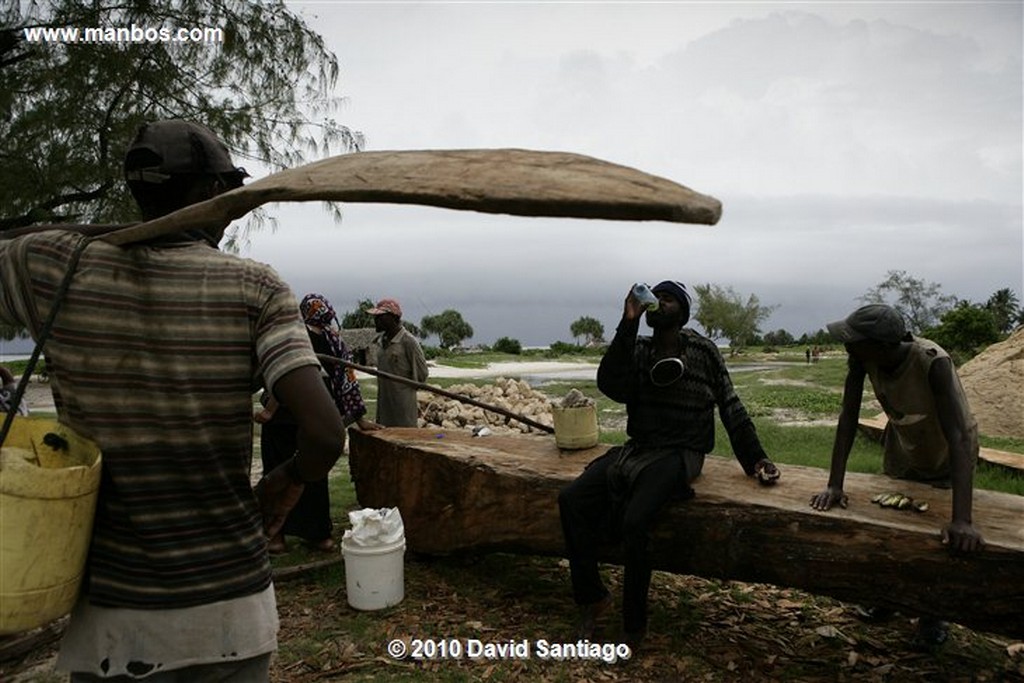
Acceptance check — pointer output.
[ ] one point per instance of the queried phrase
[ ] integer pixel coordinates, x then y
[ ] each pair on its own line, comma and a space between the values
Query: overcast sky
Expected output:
844, 140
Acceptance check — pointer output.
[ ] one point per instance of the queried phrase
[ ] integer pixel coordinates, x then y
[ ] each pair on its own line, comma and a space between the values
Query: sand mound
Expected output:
994, 382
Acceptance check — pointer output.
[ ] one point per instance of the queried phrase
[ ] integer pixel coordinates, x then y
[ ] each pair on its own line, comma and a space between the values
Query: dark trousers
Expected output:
586, 508
310, 519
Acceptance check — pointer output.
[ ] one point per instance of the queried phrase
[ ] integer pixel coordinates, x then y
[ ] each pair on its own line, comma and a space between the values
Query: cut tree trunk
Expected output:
458, 493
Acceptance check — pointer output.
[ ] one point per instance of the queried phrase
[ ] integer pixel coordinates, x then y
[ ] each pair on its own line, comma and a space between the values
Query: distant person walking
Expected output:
398, 354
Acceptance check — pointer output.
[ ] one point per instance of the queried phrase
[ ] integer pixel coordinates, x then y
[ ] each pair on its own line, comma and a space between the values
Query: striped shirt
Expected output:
155, 355
681, 414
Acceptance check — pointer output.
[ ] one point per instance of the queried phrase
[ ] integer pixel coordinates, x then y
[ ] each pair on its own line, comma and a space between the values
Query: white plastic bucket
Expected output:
374, 575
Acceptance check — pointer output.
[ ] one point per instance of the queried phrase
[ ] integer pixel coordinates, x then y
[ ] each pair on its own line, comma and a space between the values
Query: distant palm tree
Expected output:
1004, 307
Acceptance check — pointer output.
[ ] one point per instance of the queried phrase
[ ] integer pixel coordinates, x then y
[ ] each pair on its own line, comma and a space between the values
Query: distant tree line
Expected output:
449, 326
960, 326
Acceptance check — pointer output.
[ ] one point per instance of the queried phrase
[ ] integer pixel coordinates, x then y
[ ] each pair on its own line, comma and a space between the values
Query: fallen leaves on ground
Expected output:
700, 630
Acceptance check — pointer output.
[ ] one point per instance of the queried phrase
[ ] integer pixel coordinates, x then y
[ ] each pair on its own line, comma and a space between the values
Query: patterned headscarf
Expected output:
318, 314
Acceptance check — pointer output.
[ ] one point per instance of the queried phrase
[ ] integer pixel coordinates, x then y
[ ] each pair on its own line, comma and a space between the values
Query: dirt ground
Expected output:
700, 630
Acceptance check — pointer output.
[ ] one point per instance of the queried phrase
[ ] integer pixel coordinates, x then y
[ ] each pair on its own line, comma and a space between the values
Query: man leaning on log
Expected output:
670, 383
931, 435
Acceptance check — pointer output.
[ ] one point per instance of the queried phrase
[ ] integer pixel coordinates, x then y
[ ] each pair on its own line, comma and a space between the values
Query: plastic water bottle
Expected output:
645, 296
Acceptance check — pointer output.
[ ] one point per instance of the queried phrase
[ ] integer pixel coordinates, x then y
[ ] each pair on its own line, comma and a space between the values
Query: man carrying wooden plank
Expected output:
154, 355
671, 383
931, 435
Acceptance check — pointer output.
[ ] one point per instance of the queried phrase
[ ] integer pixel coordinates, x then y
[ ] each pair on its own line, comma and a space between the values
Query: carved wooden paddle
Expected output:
512, 181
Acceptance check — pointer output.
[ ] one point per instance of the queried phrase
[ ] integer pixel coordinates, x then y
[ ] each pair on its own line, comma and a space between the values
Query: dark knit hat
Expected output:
678, 290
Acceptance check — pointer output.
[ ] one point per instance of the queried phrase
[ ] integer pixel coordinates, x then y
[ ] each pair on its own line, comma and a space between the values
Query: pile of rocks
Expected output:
513, 395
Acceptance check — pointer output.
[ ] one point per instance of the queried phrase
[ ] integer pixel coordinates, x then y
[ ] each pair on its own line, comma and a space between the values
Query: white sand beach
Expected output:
546, 369
41, 400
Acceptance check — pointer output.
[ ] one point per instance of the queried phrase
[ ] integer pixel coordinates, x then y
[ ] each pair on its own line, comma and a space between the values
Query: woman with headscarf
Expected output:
310, 519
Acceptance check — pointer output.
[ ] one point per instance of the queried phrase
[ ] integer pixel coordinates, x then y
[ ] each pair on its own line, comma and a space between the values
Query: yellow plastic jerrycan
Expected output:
49, 483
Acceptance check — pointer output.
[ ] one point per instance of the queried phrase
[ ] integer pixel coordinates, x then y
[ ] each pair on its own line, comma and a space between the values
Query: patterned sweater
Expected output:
683, 413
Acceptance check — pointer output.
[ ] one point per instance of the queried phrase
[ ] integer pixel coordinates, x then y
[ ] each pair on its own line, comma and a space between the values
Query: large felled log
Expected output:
458, 493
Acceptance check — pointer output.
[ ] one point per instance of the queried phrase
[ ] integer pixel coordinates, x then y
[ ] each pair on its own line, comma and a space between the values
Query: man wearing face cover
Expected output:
671, 383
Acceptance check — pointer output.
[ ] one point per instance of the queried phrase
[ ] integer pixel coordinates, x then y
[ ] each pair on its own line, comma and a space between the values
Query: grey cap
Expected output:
173, 147
877, 322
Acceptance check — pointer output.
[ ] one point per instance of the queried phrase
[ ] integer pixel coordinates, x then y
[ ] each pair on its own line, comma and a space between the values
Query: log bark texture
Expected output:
459, 493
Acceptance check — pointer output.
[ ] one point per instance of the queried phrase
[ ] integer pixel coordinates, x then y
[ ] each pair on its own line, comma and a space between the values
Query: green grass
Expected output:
498, 596
798, 391
808, 392
17, 367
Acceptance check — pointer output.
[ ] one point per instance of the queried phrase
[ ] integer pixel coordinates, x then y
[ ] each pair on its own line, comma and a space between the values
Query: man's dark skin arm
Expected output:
743, 436
321, 439
846, 430
616, 378
960, 534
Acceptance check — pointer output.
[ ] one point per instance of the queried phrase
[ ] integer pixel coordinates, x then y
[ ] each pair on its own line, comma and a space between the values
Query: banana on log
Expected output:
899, 502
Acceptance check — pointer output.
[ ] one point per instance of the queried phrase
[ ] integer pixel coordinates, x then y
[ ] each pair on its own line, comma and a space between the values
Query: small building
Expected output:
360, 341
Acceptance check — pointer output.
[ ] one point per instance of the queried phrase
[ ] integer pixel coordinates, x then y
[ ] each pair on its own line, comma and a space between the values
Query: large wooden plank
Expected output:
512, 181
458, 493
874, 427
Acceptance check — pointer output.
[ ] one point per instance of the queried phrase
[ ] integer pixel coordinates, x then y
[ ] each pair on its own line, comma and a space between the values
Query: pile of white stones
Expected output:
515, 396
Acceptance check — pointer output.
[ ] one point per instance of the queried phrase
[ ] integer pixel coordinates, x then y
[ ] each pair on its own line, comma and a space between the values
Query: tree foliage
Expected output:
449, 327
965, 330
11, 332
820, 337
588, 327
921, 303
778, 338
358, 318
69, 110
723, 313
508, 345
1005, 310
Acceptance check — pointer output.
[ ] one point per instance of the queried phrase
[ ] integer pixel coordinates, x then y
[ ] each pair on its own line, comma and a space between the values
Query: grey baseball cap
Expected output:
173, 147
877, 322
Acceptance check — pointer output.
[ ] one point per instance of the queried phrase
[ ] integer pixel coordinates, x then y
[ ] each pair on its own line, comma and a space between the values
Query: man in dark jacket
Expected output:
671, 383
